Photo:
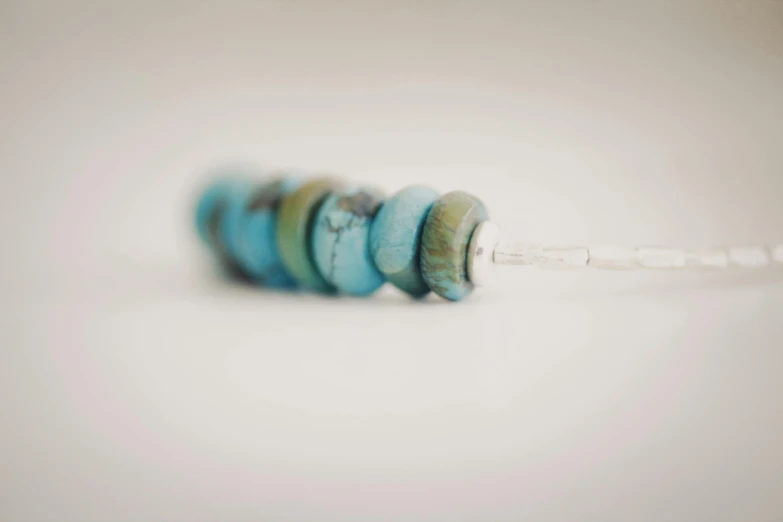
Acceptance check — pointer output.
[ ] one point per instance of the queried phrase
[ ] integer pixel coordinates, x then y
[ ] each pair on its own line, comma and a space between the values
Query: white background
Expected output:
135, 385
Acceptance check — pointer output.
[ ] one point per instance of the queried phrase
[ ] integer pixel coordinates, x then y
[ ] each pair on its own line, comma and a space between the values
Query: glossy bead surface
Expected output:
255, 222
444, 244
295, 218
341, 241
395, 238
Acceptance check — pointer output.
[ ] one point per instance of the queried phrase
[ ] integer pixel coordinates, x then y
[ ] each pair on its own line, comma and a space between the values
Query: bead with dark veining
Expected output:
295, 220
341, 244
445, 240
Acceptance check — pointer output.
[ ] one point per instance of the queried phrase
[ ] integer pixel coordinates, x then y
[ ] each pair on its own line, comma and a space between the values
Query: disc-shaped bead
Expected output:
447, 231
295, 220
395, 238
341, 241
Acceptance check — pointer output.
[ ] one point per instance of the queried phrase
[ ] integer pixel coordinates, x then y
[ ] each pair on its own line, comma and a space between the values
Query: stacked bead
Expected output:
324, 236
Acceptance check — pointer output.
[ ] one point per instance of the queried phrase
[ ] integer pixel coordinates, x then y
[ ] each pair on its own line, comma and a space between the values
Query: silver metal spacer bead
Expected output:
481, 251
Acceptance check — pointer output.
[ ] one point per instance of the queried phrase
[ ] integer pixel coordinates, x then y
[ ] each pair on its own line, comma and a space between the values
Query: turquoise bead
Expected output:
295, 219
253, 231
211, 210
230, 225
444, 244
211, 202
395, 238
341, 241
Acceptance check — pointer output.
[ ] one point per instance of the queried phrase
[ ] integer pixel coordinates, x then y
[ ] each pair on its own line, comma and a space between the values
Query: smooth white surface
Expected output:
136, 386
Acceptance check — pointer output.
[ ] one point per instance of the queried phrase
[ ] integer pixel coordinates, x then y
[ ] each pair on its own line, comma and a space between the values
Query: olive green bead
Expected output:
444, 244
294, 230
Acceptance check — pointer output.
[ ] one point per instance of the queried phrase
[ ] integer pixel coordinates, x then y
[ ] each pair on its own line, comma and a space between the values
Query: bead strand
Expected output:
324, 236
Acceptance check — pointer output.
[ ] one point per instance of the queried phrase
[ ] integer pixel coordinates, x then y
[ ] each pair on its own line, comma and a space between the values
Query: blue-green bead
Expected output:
444, 244
395, 238
341, 242
253, 225
230, 224
295, 223
211, 210
209, 201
